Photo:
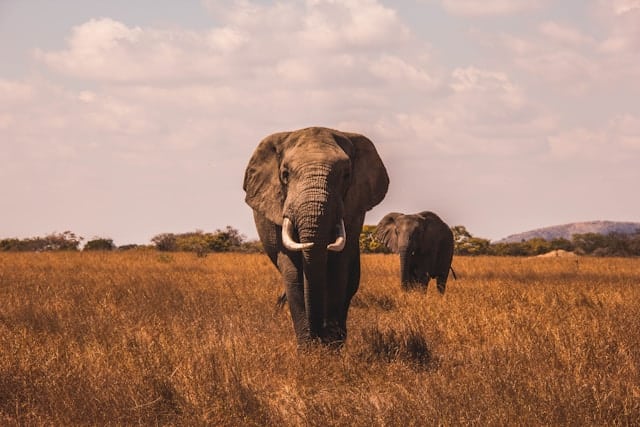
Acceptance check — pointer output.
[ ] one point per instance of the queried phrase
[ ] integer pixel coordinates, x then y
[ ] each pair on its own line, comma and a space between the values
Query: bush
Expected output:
368, 242
165, 242
252, 246
227, 240
67, 241
99, 244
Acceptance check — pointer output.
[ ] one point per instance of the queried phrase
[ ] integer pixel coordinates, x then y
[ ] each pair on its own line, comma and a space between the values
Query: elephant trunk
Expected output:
315, 285
316, 219
406, 276
315, 228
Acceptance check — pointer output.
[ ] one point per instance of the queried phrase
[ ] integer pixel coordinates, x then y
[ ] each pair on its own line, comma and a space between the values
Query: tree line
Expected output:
593, 244
230, 239
226, 240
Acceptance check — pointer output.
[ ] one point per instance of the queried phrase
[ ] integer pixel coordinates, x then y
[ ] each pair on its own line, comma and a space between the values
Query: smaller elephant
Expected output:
425, 245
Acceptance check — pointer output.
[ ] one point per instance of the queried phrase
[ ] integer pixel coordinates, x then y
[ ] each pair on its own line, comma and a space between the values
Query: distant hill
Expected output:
568, 230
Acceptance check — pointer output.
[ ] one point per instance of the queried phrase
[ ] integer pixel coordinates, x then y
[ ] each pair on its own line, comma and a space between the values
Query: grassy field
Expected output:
156, 338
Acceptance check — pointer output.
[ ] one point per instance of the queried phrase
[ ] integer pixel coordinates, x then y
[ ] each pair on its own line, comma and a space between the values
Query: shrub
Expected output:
99, 244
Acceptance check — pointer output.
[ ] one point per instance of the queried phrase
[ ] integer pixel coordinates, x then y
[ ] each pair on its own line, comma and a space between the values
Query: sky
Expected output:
130, 118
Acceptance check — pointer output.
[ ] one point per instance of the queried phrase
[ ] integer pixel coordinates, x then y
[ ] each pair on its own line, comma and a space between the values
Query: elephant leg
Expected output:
290, 266
427, 265
420, 274
353, 283
443, 264
426, 278
441, 277
417, 277
269, 233
354, 280
338, 296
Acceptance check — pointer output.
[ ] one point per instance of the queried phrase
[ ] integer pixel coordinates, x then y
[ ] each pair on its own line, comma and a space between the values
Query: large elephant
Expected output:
309, 190
424, 243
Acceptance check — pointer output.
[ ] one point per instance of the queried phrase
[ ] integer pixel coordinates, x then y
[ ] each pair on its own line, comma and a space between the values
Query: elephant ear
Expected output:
264, 192
430, 216
369, 179
386, 231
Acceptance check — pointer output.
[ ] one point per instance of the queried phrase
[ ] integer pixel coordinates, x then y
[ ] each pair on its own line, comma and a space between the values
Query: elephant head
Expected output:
309, 190
424, 243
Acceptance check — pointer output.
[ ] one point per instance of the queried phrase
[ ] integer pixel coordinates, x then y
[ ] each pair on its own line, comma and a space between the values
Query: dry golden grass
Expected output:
151, 338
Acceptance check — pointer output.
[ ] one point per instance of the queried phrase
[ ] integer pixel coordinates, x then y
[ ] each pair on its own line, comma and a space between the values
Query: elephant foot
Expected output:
331, 336
334, 337
414, 286
306, 344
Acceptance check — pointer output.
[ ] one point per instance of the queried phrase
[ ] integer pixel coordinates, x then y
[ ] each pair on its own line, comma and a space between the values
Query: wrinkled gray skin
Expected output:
315, 177
425, 245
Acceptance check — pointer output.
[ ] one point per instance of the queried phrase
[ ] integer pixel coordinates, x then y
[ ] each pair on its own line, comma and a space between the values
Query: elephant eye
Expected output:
284, 176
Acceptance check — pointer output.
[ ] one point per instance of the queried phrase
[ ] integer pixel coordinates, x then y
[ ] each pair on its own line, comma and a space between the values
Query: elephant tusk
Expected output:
287, 240
338, 245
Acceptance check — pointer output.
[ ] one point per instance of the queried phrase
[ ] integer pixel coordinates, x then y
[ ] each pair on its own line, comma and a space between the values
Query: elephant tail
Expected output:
455, 277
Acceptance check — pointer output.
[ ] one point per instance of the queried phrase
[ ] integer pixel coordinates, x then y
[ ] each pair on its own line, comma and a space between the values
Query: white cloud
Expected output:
626, 131
490, 7
107, 50
142, 113
564, 34
621, 7
576, 143
305, 62
353, 23
492, 92
623, 18
577, 57
484, 113
564, 66
225, 39
252, 39
322, 62
396, 70
616, 140
16, 92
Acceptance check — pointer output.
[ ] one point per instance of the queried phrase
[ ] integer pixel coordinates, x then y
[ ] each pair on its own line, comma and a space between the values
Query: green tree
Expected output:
226, 240
536, 246
587, 243
368, 243
99, 244
197, 242
473, 246
165, 242
252, 246
634, 244
465, 244
66, 241
460, 234
561, 243
510, 249
12, 244
129, 247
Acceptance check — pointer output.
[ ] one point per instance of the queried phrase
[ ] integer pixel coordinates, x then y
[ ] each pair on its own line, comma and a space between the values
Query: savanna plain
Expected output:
174, 339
